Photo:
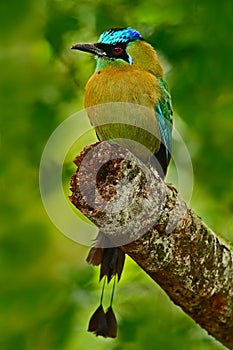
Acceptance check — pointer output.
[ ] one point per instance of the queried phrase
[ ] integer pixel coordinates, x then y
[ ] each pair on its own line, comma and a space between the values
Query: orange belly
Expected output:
121, 107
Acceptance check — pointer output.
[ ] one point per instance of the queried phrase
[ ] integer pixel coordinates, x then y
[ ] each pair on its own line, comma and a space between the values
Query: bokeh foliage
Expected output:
47, 290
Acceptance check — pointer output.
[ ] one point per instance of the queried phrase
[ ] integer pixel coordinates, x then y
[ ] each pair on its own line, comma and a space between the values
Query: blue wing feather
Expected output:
165, 130
164, 116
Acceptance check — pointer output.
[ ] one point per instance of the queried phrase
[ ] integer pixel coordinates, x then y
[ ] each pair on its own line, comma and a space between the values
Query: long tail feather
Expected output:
111, 261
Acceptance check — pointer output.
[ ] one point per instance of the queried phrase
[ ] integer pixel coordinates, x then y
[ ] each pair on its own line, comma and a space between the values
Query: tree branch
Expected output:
150, 222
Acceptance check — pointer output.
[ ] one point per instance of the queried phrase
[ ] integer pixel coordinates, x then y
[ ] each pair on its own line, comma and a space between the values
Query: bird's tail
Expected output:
111, 261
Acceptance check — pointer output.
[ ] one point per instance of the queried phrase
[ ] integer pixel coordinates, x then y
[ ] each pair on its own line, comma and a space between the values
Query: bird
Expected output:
127, 100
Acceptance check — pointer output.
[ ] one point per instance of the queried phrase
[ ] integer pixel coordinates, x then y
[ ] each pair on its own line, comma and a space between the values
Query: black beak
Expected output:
92, 48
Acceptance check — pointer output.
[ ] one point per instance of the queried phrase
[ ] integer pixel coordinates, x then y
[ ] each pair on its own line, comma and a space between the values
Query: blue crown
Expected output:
119, 35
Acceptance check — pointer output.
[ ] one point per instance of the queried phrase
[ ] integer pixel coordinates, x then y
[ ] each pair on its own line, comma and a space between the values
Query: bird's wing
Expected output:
164, 116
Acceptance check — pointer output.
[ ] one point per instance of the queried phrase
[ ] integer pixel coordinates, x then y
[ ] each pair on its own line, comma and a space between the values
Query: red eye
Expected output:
117, 50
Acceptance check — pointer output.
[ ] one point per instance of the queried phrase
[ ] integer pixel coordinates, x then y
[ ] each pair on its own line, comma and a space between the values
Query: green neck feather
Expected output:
104, 63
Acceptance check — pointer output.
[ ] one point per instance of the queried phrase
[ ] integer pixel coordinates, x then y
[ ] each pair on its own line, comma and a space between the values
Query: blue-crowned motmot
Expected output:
128, 70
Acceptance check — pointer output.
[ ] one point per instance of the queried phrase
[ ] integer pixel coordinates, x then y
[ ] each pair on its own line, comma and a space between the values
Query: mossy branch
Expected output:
150, 222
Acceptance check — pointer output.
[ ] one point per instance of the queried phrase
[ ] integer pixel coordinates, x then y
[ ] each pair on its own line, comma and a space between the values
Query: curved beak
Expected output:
92, 48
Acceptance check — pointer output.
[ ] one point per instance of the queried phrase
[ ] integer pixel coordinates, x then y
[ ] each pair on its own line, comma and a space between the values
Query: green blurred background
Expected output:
47, 290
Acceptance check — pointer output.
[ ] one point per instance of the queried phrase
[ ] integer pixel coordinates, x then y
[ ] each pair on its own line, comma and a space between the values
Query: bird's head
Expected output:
122, 48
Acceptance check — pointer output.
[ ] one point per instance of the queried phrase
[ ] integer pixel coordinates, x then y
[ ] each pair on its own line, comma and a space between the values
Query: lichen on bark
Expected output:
155, 227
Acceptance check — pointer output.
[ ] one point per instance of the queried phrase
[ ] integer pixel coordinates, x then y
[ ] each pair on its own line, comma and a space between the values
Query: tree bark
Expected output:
130, 203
